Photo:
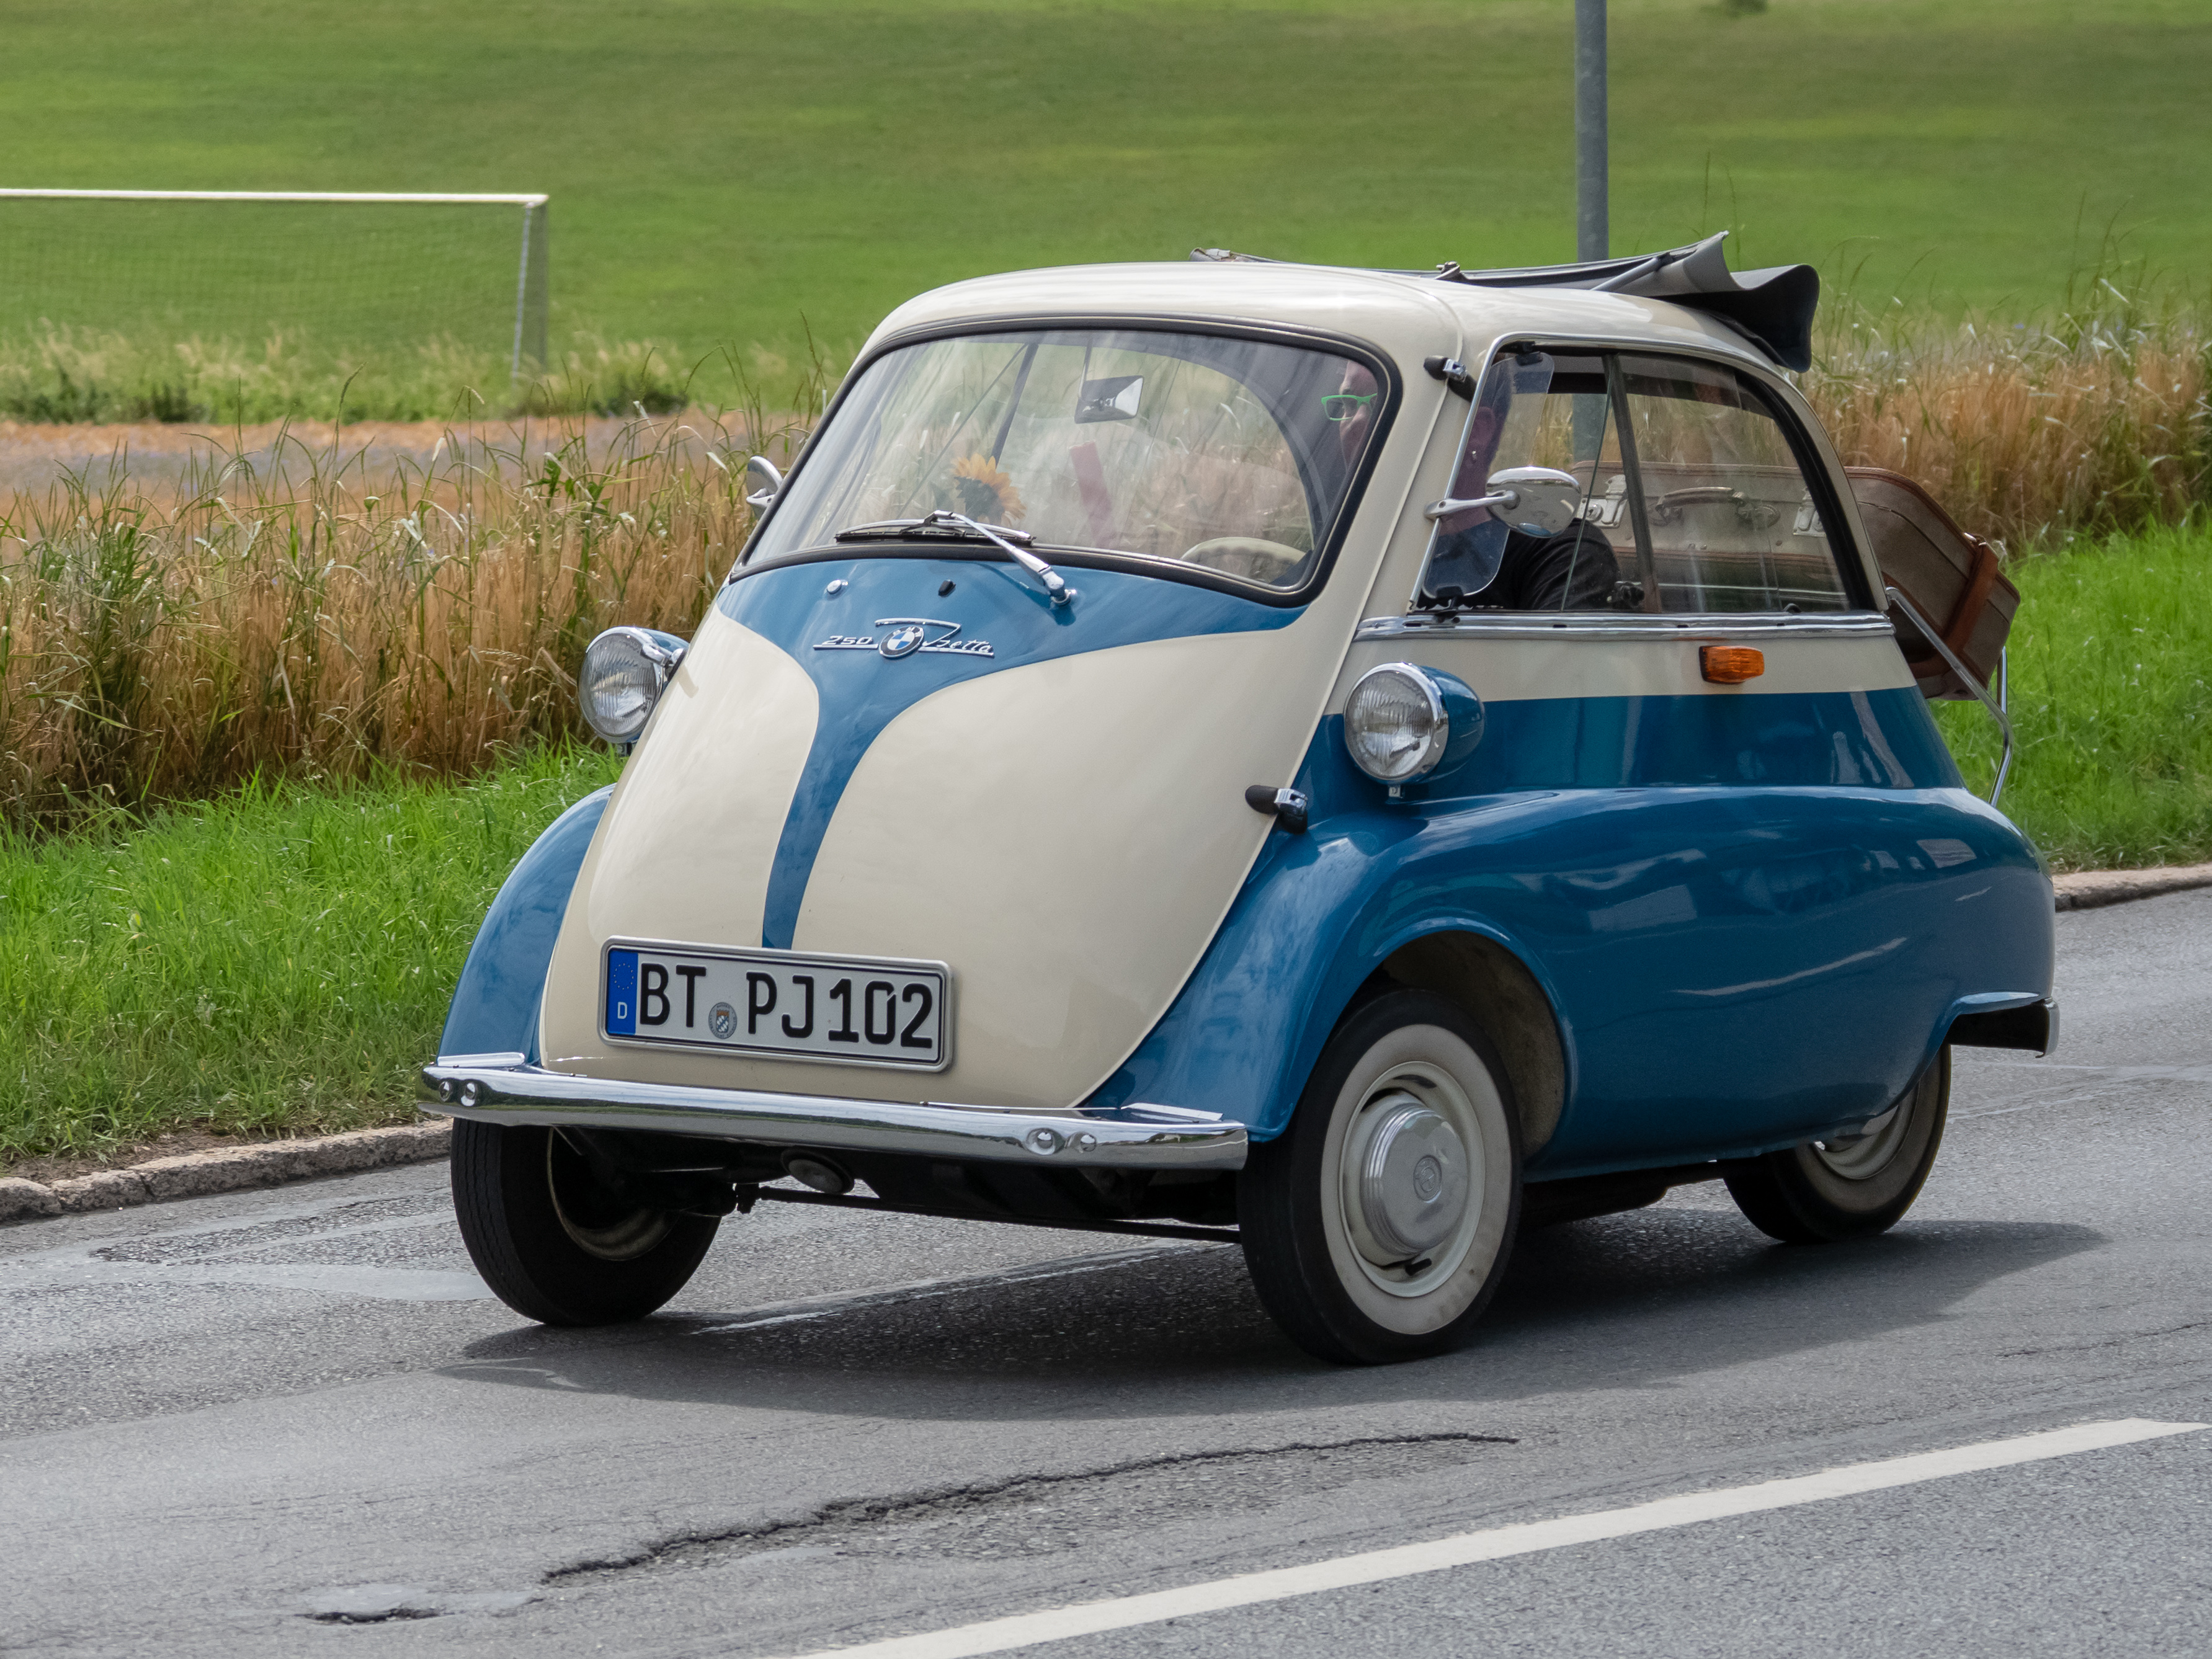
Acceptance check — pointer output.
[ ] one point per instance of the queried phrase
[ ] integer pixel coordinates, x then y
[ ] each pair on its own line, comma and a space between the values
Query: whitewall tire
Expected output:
1377, 1226
1851, 1187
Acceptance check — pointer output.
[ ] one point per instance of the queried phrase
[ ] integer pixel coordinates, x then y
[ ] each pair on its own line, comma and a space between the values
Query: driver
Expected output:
1574, 570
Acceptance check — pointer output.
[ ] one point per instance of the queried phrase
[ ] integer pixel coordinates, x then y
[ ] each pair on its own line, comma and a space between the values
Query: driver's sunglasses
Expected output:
1343, 405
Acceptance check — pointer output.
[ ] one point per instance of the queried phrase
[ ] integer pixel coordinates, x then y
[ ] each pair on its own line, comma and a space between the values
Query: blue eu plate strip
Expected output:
622, 993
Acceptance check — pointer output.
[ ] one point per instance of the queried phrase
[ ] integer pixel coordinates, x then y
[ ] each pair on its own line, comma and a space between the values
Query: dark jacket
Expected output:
1574, 570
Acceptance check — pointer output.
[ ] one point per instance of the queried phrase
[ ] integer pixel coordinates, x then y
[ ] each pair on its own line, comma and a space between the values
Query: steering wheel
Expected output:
1221, 549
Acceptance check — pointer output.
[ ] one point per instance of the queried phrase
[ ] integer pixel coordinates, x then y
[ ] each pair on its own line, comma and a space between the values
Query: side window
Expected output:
1684, 495
1732, 523
1554, 412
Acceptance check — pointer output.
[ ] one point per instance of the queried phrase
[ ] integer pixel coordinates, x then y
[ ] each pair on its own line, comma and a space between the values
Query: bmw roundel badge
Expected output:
903, 641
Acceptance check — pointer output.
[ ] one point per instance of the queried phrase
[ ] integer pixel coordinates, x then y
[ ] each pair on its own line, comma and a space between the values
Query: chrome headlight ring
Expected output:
625, 671
1395, 726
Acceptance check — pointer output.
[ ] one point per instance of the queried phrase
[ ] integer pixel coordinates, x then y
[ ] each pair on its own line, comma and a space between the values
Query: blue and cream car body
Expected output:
1117, 840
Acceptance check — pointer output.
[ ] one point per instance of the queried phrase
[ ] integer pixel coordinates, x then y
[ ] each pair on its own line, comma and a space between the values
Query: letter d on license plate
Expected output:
777, 1002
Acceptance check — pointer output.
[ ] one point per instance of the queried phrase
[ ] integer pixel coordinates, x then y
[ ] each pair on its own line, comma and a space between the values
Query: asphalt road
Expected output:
291, 1423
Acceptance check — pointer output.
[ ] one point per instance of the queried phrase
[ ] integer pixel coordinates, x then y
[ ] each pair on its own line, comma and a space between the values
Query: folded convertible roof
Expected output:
1773, 308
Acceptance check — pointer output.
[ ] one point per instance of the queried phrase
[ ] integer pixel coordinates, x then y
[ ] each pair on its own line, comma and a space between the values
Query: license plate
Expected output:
776, 1002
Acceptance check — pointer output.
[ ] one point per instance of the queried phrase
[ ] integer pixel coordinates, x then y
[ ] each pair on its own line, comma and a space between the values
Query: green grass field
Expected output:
722, 171
2111, 702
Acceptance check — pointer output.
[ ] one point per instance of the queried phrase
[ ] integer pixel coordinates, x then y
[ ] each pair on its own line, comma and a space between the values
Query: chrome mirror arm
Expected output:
1508, 499
1994, 705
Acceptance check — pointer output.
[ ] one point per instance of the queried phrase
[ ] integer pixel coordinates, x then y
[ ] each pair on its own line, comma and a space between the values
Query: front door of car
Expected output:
889, 745
1718, 885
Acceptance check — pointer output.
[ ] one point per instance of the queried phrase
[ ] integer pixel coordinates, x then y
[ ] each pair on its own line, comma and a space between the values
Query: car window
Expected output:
1230, 454
1732, 522
1687, 495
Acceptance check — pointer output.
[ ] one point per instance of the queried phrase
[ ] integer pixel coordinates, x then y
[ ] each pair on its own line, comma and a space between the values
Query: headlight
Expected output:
625, 671
1394, 723
1402, 722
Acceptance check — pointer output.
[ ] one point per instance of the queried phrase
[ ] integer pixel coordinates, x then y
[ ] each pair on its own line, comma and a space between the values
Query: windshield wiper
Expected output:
1014, 543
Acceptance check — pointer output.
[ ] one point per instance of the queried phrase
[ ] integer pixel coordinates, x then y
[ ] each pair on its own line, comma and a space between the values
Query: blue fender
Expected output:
1318, 915
1735, 963
495, 1009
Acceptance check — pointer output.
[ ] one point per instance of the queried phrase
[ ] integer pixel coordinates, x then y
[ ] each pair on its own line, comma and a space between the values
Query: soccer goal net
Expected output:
341, 272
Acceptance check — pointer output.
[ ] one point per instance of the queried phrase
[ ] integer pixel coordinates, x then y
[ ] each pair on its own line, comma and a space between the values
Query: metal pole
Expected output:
1593, 241
521, 294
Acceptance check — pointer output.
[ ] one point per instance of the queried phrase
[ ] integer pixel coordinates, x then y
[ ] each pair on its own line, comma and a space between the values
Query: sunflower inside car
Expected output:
1360, 763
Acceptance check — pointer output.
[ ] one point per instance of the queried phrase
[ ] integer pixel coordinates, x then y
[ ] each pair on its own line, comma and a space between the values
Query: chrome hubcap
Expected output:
1862, 1156
1410, 1184
601, 1223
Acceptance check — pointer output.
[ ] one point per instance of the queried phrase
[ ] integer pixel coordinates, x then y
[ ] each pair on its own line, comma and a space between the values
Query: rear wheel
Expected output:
1377, 1226
1850, 1186
558, 1239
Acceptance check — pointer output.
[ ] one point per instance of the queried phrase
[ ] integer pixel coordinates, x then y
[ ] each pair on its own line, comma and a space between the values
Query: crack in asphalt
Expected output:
384, 1604
2102, 1342
1028, 1499
394, 1614
2105, 1082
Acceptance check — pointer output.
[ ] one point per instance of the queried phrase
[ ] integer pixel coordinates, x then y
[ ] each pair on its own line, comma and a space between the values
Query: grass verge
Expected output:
2111, 656
275, 961
51, 374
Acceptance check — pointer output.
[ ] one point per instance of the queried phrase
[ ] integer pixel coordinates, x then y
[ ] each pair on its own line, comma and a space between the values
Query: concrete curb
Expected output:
270, 1163
2090, 890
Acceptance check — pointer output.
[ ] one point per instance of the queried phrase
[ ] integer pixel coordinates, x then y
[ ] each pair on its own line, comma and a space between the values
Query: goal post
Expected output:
352, 271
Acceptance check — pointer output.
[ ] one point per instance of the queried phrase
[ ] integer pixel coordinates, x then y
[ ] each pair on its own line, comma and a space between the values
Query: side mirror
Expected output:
763, 484
1544, 499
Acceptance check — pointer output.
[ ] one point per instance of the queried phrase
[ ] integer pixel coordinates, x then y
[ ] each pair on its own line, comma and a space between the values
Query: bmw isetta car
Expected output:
1357, 762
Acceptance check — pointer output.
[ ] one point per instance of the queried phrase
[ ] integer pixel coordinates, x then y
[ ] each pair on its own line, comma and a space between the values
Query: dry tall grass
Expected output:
300, 616
310, 615
2030, 433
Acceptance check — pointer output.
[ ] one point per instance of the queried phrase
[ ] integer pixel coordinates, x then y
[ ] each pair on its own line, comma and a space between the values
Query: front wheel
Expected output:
1851, 1187
1377, 1226
558, 1239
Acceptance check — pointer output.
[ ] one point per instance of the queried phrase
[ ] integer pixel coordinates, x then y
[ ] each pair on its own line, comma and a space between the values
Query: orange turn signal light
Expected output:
1730, 664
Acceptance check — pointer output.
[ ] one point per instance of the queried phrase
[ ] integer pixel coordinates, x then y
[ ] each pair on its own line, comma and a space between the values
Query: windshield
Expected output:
1231, 455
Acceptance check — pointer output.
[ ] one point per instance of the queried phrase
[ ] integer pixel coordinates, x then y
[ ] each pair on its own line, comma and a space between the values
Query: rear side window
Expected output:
1733, 522
1686, 493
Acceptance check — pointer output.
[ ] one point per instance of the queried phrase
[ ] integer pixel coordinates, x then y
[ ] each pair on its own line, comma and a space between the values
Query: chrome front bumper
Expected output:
505, 1088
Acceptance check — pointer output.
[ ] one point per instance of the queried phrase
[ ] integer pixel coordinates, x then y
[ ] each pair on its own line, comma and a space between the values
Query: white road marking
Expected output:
1495, 1543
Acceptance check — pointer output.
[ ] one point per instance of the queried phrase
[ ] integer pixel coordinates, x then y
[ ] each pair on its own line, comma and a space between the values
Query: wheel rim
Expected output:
1865, 1155
1412, 1179
598, 1221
